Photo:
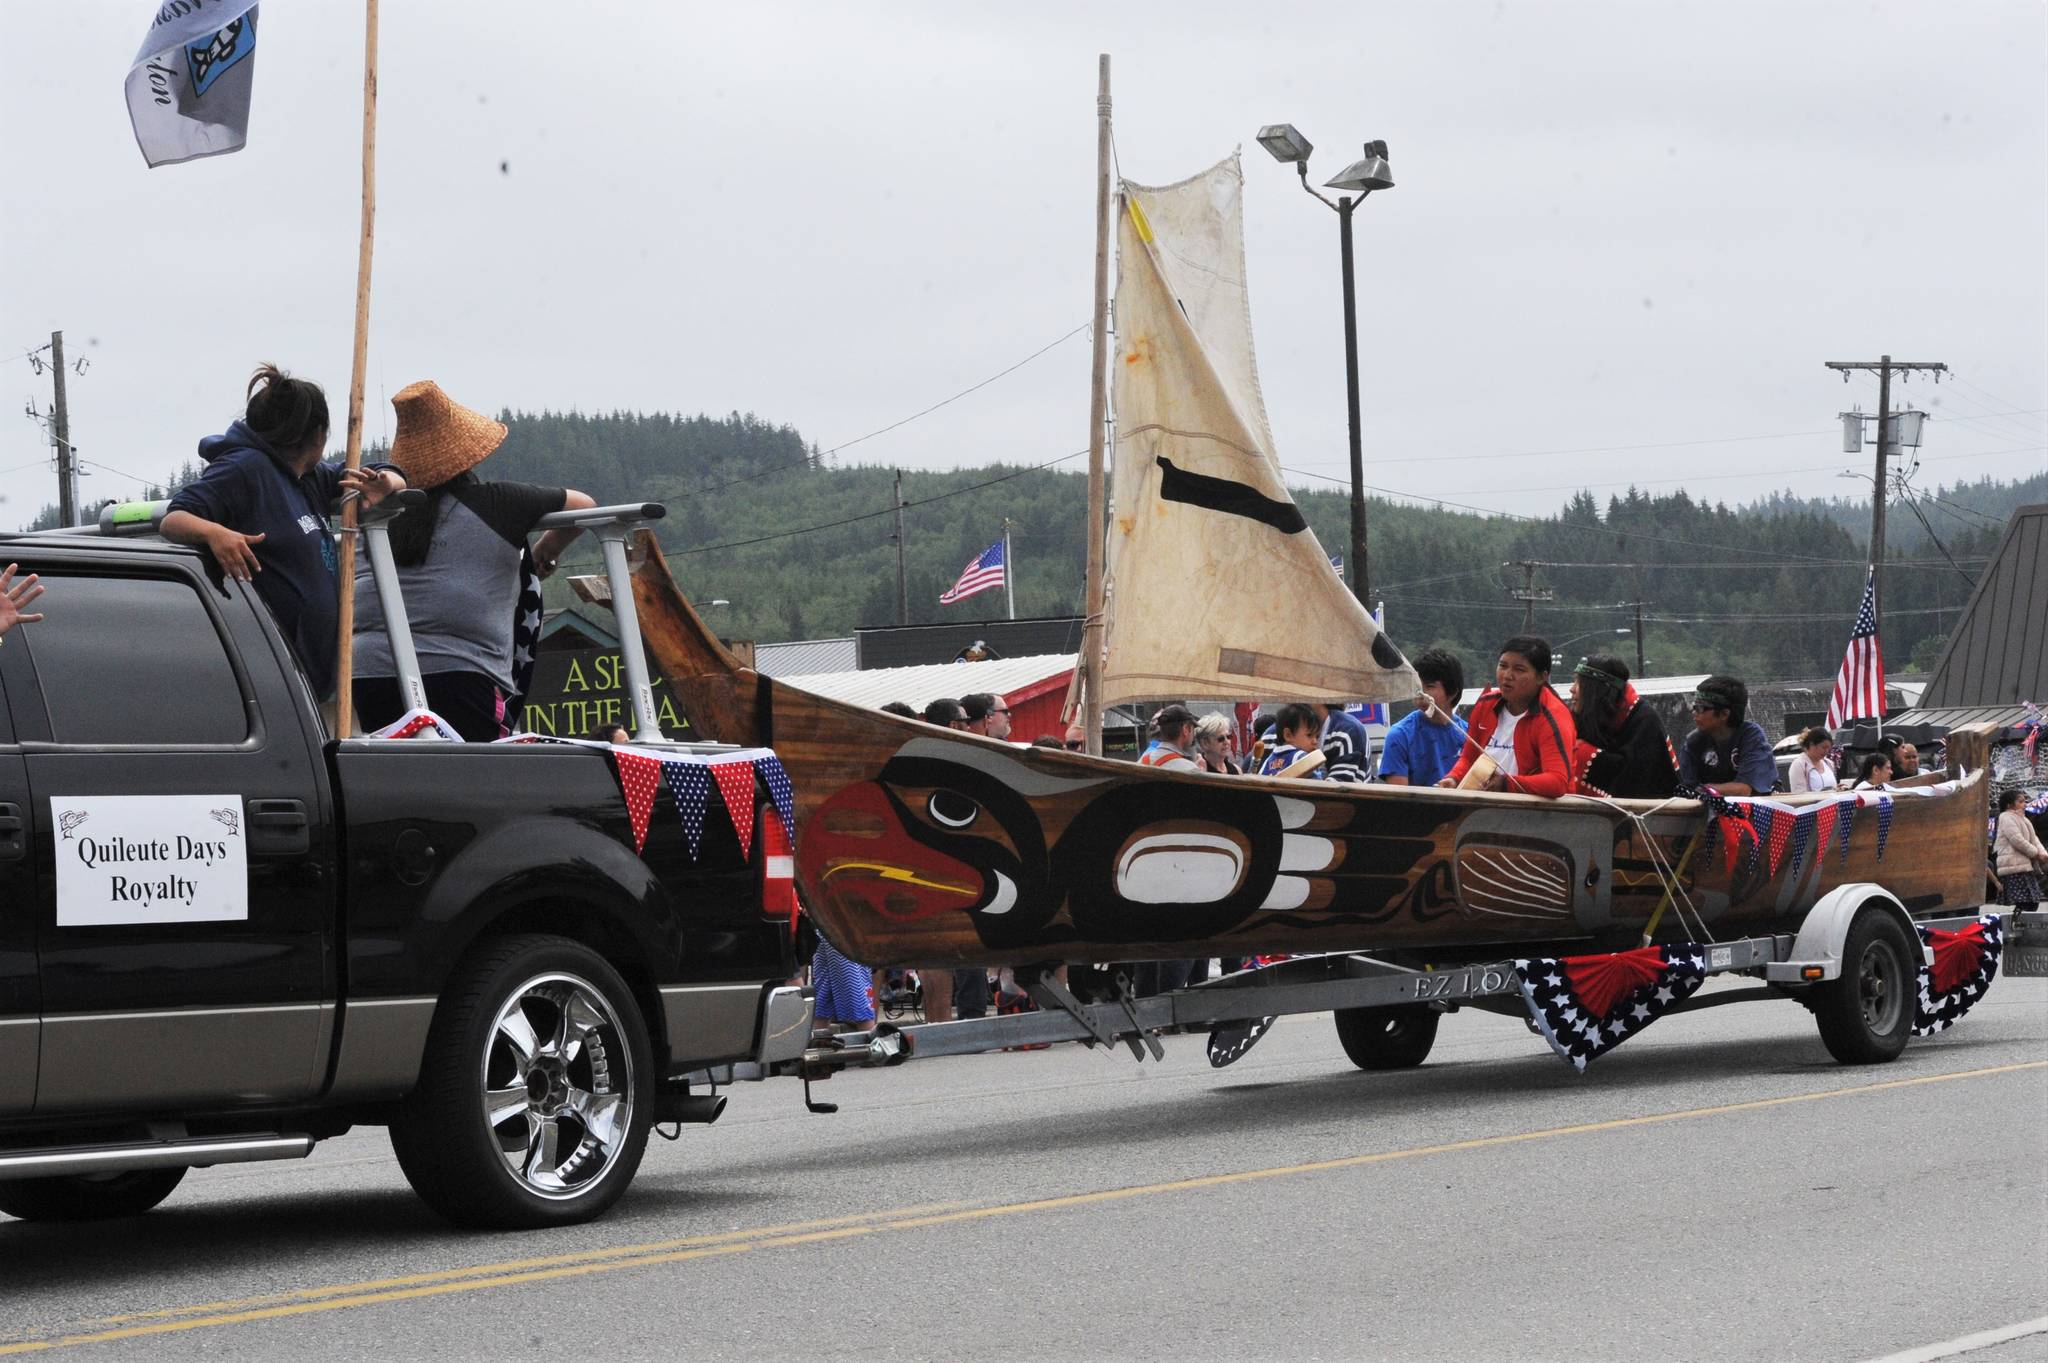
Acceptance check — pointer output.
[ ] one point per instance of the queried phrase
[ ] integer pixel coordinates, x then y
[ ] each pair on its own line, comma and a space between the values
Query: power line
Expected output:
884, 430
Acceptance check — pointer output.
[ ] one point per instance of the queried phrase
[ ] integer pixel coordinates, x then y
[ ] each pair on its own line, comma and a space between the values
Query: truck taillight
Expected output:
778, 868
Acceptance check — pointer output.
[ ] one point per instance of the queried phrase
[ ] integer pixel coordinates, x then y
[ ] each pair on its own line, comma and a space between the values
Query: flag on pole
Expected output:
1859, 686
982, 573
188, 90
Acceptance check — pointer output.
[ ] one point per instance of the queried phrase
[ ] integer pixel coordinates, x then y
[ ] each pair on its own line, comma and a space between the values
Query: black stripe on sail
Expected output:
1232, 499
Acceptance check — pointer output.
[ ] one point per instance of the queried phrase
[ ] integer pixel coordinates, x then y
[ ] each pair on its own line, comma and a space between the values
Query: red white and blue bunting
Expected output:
1965, 963
1585, 1006
1747, 828
644, 772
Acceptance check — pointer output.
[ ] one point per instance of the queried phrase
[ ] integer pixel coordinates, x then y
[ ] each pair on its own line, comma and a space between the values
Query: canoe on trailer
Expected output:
923, 846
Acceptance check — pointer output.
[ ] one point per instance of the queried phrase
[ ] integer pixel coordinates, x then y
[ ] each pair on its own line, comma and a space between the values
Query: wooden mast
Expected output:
1090, 670
344, 659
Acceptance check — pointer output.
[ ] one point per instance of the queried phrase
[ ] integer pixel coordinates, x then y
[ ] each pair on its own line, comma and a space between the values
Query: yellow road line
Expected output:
513, 1265
515, 1272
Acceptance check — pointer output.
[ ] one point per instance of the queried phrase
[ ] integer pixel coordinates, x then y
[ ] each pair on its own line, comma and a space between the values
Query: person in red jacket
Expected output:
1521, 724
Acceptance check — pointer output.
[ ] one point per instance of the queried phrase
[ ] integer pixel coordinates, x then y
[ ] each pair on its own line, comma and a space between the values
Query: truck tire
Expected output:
1866, 1014
1391, 1038
88, 1197
536, 1091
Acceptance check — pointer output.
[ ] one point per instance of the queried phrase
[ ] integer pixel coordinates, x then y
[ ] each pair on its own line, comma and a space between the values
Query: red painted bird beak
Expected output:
856, 853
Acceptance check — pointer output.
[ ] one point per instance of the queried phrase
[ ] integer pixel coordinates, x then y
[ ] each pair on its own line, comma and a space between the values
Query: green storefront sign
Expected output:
579, 690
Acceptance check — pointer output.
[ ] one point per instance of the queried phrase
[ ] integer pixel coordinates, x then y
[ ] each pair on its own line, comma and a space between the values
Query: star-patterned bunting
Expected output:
1965, 963
1848, 817
1802, 833
1884, 823
1585, 1006
689, 784
779, 789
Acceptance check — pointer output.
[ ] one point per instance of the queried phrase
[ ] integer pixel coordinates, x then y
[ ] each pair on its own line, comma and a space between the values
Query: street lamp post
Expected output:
1361, 177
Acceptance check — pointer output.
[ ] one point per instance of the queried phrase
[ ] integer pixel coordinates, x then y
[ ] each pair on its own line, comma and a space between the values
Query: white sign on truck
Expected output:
149, 859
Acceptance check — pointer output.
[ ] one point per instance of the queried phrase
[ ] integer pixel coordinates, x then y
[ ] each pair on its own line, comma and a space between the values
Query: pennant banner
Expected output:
689, 785
639, 778
1585, 1006
1884, 823
736, 784
1802, 833
779, 790
1965, 963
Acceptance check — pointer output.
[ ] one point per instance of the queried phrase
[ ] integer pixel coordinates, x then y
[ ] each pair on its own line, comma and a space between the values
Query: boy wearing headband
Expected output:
1726, 751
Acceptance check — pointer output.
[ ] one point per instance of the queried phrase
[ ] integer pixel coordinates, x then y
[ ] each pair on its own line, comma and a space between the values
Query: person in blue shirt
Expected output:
1726, 751
1347, 747
1295, 731
260, 508
1424, 744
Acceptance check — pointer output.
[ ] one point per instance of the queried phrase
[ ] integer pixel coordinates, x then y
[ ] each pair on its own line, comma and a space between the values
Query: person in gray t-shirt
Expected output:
458, 570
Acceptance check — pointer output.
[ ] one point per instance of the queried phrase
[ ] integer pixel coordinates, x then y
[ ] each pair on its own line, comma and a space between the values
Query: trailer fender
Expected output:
1826, 928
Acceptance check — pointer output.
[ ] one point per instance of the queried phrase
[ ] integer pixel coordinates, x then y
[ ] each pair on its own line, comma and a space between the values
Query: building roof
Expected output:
806, 657
1014, 679
911, 645
1997, 656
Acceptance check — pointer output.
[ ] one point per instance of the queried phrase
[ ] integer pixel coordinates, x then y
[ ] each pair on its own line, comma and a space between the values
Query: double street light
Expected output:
1358, 179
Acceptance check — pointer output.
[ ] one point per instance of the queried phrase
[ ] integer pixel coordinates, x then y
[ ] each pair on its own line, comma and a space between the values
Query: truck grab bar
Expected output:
613, 525
375, 524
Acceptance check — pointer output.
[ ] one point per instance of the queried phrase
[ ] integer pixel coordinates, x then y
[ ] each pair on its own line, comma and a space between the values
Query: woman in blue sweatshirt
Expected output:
260, 508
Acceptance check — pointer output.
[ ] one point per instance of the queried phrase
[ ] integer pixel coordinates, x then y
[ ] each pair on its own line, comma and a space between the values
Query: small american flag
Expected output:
1337, 562
1859, 686
982, 572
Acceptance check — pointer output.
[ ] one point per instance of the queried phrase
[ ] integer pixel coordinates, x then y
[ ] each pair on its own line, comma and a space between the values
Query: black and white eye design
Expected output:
952, 809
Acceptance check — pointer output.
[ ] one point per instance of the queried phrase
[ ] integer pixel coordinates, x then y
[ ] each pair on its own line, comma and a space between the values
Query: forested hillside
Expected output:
802, 550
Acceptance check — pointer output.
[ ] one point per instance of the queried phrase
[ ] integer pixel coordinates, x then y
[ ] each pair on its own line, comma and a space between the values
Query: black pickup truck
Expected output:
225, 936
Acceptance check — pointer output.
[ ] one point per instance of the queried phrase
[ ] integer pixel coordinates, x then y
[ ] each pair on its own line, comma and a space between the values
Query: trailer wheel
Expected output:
88, 1197
1389, 1038
1866, 1015
536, 1092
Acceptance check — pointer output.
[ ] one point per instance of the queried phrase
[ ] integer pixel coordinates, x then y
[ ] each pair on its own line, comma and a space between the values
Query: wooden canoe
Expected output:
924, 846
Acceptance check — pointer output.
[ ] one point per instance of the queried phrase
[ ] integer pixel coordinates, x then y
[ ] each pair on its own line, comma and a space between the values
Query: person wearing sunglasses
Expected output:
1076, 739
986, 715
1726, 751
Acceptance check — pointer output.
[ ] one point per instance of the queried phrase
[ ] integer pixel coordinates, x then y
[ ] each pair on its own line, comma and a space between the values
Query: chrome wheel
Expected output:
558, 1085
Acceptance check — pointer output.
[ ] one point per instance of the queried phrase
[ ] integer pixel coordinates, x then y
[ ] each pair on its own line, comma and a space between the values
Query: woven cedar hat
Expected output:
438, 437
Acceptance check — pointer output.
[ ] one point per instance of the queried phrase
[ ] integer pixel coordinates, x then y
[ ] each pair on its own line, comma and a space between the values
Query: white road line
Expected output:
1967, 1344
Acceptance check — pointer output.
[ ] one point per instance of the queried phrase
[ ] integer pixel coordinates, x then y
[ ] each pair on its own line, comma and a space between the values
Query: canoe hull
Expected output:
923, 846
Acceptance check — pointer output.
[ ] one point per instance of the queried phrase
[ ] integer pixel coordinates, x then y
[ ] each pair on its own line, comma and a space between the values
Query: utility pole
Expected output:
1640, 669
1885, 366
1530, 593
902, 582
1009, 571
60, 429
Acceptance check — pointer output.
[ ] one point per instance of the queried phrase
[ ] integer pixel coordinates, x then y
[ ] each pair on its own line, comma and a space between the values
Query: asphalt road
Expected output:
1717, 1188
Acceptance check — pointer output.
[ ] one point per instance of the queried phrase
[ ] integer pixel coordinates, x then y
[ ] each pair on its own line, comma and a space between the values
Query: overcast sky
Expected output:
1616, 225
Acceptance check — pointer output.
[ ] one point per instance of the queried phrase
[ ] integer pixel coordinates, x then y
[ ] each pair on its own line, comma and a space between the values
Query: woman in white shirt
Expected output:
1877, 773
1811, 770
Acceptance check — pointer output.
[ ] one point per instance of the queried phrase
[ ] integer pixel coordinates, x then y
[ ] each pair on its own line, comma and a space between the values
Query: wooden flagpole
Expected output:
344, 710
1090, 671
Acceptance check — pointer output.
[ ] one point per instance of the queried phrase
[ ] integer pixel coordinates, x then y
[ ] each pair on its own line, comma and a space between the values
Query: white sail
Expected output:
1217, 588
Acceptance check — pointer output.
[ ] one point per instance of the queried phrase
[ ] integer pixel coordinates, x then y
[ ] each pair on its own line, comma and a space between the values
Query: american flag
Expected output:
982, 572
1337, 562
1859, 686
